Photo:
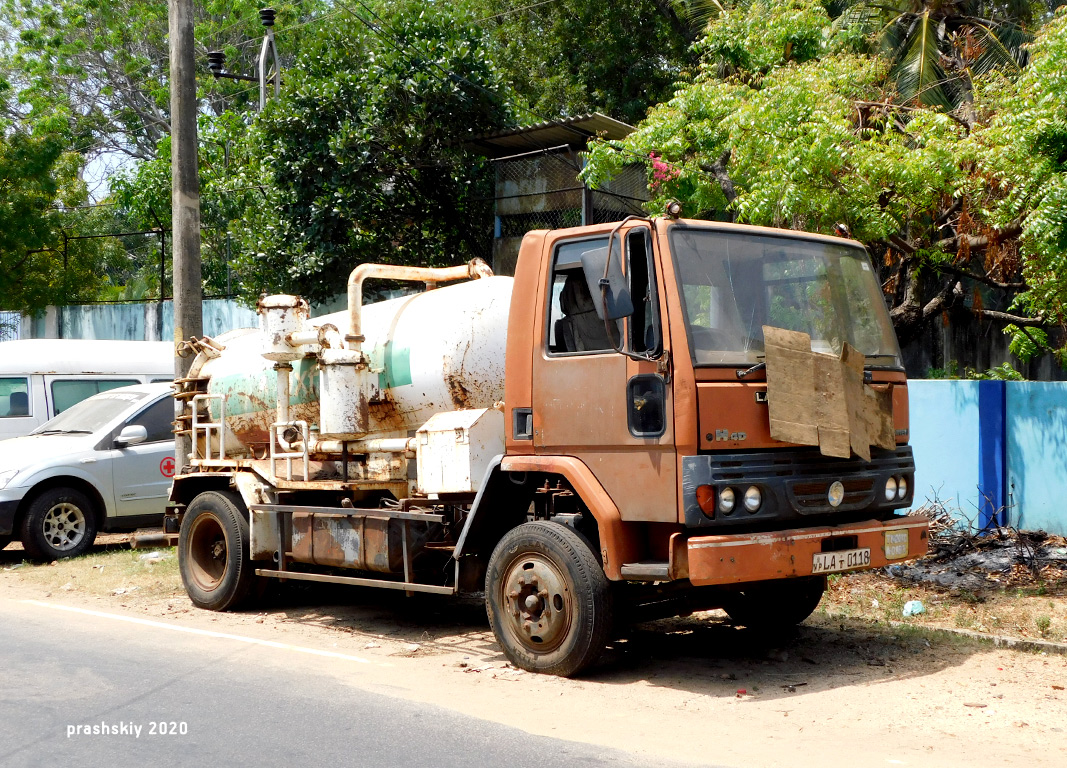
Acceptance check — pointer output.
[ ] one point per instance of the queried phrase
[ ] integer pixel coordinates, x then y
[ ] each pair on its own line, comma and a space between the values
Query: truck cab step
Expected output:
646, 570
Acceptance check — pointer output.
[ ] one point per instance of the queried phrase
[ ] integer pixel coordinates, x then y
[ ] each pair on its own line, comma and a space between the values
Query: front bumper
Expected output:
741, 558
8, 507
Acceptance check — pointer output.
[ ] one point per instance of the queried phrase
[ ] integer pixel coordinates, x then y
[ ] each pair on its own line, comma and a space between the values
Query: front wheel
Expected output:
776, 605
59, 523
213, 556
548, 600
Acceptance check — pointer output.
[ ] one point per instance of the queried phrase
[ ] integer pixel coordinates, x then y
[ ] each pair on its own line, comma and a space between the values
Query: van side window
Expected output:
67, 392
14, 397
573, 324
156, 419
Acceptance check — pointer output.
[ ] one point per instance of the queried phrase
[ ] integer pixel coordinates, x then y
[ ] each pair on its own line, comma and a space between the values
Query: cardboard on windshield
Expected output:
820, 399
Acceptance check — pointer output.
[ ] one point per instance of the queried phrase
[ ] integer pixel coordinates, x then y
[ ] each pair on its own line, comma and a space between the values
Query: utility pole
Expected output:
185, 194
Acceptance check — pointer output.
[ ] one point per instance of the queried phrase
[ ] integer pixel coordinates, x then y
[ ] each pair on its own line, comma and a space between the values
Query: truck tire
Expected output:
59, 523
548, 600
776, 605
213, 554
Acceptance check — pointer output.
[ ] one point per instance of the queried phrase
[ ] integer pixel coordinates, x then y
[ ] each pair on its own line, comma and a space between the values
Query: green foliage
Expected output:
816, 138
361, 158
570, 57
937, 50
37, 179
105, 64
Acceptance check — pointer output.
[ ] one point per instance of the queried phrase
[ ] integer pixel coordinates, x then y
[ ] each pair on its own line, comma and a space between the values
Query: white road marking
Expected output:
202, 632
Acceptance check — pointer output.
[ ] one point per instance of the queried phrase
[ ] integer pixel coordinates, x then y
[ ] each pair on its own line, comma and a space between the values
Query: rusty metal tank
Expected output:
439, 350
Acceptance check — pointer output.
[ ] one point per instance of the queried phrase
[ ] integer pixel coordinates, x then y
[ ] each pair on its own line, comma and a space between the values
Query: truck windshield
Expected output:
734, 283
90, 415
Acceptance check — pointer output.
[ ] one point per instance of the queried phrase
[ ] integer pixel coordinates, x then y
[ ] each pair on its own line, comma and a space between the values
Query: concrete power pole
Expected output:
185, 193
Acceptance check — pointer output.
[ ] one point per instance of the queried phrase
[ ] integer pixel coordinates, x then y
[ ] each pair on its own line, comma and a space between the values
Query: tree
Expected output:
361, 158
38, 183
569, 57
792, 123
937, 49
105, 64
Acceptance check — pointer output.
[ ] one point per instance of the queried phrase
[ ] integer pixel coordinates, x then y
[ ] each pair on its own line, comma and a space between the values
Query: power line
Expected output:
515, 10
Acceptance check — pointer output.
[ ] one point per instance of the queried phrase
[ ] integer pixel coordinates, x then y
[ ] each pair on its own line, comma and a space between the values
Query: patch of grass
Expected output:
1043, 623
109, 573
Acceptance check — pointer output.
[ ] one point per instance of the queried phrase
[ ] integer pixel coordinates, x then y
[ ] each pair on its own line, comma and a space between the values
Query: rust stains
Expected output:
461, 396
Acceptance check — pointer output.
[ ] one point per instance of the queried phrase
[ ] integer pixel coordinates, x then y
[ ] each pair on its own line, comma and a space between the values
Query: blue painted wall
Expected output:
141, 321
944, 436
1037, 455
984, 447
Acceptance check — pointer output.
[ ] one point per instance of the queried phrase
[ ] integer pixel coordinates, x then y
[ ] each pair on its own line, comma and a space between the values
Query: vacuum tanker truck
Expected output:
650, 417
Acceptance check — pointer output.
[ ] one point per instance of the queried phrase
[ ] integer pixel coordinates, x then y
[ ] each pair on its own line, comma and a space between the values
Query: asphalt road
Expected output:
78, 689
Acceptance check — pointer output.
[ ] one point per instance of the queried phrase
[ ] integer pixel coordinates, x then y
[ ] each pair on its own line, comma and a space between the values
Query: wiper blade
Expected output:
65, 432
743, 372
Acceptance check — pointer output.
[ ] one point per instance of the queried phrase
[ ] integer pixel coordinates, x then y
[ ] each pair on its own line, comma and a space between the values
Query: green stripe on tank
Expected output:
393, 364
256, 392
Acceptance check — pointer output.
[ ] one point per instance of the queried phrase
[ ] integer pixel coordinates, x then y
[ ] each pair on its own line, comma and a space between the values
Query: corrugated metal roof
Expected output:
574, 131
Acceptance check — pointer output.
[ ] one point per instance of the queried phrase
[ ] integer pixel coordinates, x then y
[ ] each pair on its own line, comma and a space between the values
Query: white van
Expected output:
40, 378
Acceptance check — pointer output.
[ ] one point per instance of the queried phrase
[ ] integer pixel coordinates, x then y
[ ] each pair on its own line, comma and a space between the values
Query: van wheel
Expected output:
213, 556
59, 523
776, 605
548, 600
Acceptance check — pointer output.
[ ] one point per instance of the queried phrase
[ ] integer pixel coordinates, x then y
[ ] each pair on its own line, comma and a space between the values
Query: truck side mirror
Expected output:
131, 434
615, 302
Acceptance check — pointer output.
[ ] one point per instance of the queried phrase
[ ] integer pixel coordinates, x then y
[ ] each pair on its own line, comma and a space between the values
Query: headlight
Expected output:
902, 487
727, 500
753, 499
891, 489
7, 476
836, 494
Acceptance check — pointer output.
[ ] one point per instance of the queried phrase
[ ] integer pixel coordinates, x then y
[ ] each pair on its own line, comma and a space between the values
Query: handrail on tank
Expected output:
474, 269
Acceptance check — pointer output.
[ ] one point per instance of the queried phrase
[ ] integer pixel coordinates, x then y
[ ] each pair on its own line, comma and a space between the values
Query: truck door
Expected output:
611, 410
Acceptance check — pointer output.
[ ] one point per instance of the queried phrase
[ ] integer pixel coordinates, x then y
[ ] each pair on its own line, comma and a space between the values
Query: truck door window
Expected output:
14, 397
67, 392
644, 325
573, 324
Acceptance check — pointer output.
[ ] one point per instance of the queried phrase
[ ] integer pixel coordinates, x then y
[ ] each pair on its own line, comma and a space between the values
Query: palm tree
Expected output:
938, 47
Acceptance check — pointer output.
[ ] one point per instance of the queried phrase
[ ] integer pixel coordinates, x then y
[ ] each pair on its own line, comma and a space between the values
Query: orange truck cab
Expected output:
650, 433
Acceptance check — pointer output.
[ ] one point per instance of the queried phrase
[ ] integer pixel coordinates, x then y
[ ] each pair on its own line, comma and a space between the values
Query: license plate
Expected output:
896, 544
844, 560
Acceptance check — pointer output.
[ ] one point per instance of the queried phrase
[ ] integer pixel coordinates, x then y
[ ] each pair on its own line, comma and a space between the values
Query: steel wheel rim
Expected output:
538, 605
64, 526
207, 552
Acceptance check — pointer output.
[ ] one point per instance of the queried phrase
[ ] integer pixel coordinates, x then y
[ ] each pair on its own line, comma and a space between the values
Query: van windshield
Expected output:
734, 283
90, 415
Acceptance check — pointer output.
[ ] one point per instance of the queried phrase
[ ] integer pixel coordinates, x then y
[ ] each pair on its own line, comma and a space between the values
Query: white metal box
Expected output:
454, 448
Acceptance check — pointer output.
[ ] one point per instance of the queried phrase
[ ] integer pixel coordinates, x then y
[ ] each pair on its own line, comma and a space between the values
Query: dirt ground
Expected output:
846, 686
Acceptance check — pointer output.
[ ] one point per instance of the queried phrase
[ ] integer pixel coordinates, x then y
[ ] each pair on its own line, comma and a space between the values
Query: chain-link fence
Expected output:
10, 325
541, 190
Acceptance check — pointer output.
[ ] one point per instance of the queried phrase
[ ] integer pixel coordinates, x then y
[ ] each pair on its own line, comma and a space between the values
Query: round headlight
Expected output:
902, 487
753, 498
891, 489
836, 494
727, 500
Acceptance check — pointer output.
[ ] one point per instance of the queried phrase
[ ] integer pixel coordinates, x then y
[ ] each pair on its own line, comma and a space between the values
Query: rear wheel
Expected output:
59, 523
213, 554
548, 600
776, 605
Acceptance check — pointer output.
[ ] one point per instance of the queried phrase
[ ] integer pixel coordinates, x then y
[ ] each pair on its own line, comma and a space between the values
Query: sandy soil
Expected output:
695, 690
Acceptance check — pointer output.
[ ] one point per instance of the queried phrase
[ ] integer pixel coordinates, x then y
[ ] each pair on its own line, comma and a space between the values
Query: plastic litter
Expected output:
914, 608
